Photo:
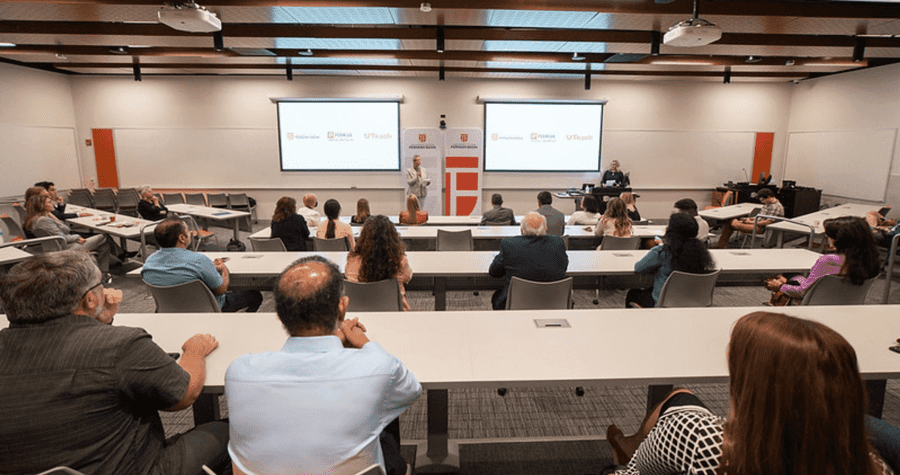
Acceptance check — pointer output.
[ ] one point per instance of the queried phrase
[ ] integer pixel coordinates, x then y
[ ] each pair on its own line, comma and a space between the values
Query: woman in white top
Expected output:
591, 212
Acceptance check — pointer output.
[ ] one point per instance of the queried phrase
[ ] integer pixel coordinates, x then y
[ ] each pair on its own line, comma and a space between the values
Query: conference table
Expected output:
12, 255
118, 225
215, 214
724, 213
260, 270
816, 219
588, 348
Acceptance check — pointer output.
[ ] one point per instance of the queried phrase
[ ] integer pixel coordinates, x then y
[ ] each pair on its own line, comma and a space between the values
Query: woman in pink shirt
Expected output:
332, 227
379, 255
856, 257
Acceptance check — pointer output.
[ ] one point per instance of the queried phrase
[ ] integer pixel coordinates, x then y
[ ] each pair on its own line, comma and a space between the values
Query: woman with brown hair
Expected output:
615, 222
362, 212
332, 227
630, 206
289, 226
798, 407
379, 255
40, 221
412, 214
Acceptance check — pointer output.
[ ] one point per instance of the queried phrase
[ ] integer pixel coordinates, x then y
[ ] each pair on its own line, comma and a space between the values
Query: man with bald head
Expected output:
533, 256
320, 404
313, 217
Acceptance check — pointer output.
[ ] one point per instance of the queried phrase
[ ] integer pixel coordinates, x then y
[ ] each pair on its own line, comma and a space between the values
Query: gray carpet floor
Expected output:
530, 430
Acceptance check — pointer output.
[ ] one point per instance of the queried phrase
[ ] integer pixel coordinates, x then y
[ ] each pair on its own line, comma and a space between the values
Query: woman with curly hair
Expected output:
615, 222
289, 226
680, 250
379, 255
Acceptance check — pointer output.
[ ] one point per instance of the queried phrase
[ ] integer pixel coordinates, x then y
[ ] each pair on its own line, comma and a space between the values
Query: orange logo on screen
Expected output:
495, 136
463, 137
290, 136
423, 137
330, 135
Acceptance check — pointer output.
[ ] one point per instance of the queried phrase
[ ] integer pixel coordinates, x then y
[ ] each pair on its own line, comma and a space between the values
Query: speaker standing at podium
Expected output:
613, 176
417, 180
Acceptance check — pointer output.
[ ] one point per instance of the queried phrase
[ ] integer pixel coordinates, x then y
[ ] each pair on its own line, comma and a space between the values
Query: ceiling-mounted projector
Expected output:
189, 17
692, 32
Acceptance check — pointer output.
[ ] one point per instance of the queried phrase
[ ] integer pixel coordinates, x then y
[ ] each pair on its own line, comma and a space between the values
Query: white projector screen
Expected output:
339, 135
542, 137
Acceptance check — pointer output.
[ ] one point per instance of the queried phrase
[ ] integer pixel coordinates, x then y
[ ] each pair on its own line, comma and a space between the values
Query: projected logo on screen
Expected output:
374, 136
340, 136
579, 137
536, 137
293, 136
506, 137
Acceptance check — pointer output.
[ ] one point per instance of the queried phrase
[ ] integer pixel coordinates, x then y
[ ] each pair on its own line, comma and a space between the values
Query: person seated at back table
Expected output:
39, 220
313, 218
532, 256
149, 207
60, 210
498, 215
679, 251
333, 227
615, 221
856, 258
556, 219
413, 215
289, 226
79, 392
772, 207
321, 404
174, 264
689, 207
362, 212
379, 254
797, 407
589, 214
630, 206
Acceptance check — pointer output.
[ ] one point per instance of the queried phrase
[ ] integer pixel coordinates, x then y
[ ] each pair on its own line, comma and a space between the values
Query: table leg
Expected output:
206, 408
237, 234
656, 394
440, 294
438, 456
780, 242
875, 388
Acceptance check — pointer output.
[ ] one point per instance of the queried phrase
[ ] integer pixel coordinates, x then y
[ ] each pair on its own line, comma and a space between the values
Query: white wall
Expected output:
861, 100
206, 102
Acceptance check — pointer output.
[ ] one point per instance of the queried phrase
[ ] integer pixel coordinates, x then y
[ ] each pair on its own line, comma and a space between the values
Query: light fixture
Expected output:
425, 7
859, 48
4, 44
118, 50
727, 78
789, 62
655, 39
753, 59
440, 39
683, 62
308, 52
218, 41
136, 68
577, 57
61, 56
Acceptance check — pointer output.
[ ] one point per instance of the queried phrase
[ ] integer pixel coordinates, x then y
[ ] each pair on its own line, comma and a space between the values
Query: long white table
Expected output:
816, 219
506, 349
215, 214
259, 270
12, 255
118, 225
729, 212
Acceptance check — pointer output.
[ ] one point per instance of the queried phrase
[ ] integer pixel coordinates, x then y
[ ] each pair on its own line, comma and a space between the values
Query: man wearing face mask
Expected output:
77, 391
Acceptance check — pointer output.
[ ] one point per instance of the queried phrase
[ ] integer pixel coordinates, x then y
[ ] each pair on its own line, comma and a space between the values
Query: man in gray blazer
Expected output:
418, 181
556, 220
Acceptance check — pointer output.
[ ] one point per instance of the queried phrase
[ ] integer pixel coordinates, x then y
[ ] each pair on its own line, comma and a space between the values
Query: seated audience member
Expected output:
333, 227
590, 213
36, 191
532, 256
556, 220
798, 418
856, 258
149, 207
289, 226
615, 221
772, 207
630, 206
689, 207
413, 214
313, 218
174, 264
680, 250
498, 215
883, 230
321, 404
362, 212
82, 393
379, 255
40, 221
60, 210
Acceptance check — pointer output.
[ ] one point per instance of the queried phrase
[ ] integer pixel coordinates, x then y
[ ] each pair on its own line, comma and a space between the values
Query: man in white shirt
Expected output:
689, 207
320, 404
313, 218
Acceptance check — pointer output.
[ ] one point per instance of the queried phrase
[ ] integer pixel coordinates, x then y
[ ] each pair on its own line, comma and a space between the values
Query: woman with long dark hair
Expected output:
798, 407
855, 257
289, 226
680, 250
590, 214
362, 212
332, 227
379, 255
615, 222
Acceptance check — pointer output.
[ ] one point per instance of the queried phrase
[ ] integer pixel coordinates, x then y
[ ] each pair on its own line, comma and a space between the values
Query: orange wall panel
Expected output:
762, 155
105, 158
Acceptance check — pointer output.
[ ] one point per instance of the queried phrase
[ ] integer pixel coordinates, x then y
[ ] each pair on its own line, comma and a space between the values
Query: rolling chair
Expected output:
190, 297
837, 290
338, 244
381, 296
264, 245
688, 290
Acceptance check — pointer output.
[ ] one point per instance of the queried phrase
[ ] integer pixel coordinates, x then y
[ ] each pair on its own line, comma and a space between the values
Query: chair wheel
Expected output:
579, 391
501, 392
596, 302
476, 292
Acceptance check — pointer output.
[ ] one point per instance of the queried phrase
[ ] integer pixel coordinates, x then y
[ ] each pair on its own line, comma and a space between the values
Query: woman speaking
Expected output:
613, 176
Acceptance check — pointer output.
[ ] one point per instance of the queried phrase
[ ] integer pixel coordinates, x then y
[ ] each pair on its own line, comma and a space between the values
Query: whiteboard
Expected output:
30, 154
846, 163
680, 159
222, 158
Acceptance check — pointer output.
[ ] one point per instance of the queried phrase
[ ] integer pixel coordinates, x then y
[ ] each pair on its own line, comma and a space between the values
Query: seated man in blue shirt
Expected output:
174, 264
321, 403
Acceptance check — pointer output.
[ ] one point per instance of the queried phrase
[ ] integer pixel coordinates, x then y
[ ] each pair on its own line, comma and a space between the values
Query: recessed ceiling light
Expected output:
425, 7
61, 56
753, 59
4, 44
577, 57
789, 62
118, 50
307, 52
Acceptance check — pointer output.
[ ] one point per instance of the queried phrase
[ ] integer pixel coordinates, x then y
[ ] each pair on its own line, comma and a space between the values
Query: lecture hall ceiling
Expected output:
773, 41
